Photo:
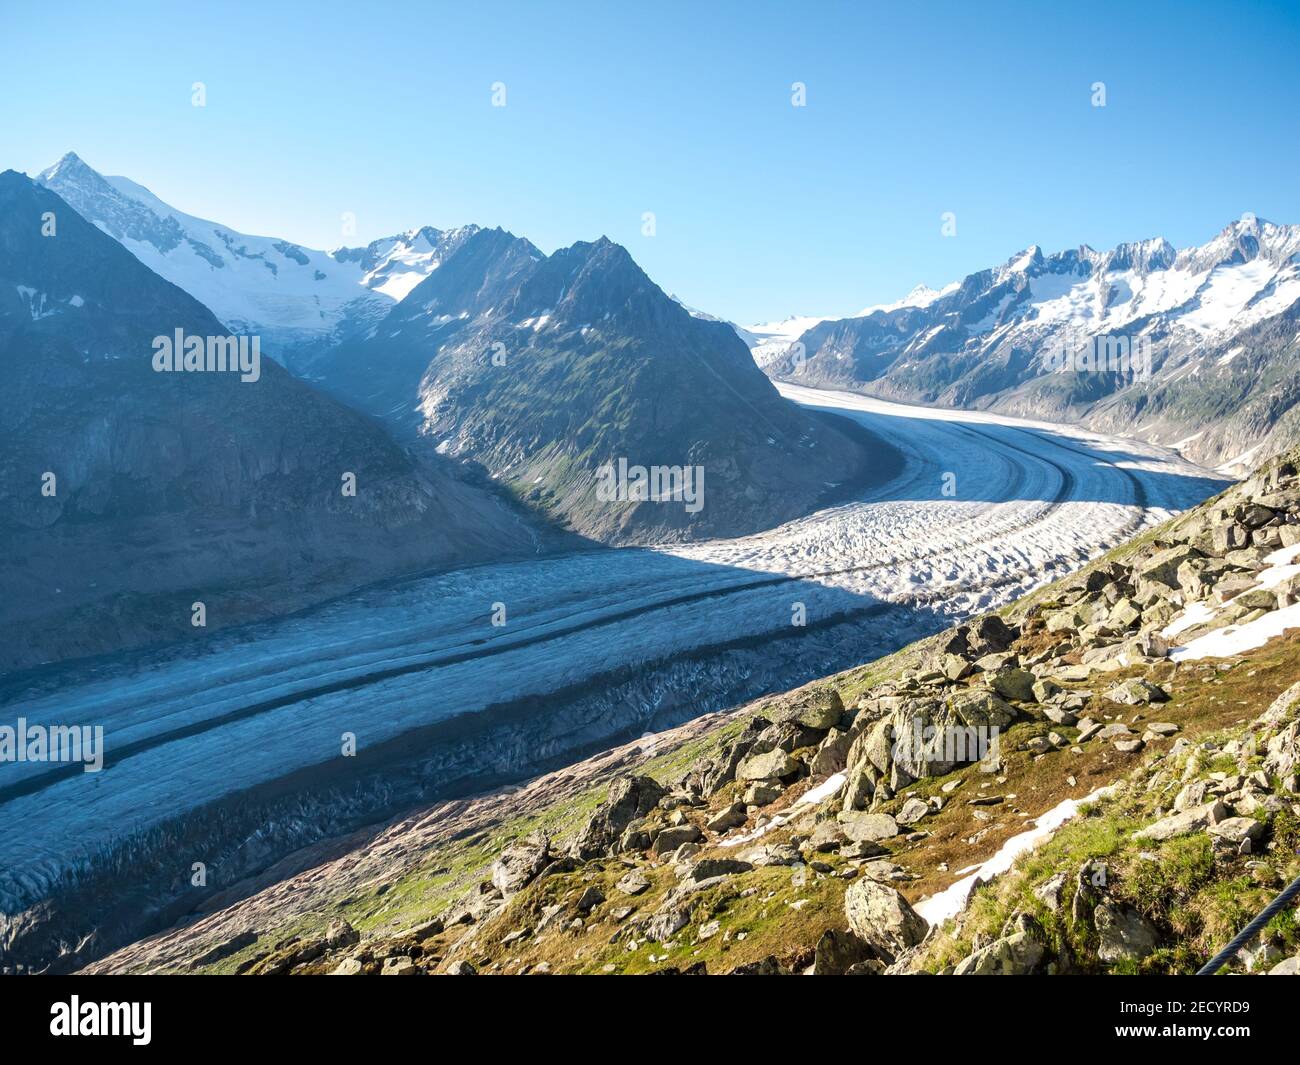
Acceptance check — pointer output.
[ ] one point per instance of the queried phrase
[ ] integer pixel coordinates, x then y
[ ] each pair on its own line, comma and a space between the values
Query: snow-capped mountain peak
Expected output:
1213, 326
1023, 262
298, 299
393, 266
69, 167
920, 296
1243, 241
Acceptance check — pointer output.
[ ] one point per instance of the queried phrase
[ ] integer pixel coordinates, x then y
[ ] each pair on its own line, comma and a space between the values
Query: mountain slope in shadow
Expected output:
127, 495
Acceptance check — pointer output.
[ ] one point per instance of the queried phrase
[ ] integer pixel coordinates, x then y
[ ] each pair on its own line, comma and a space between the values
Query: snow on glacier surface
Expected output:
1030, 499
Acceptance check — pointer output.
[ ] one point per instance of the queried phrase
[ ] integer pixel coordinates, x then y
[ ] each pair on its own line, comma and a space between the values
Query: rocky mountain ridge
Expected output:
549, 369
1194, 348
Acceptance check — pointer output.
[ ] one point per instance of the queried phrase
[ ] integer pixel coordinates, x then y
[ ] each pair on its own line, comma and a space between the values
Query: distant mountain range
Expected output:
1219, 323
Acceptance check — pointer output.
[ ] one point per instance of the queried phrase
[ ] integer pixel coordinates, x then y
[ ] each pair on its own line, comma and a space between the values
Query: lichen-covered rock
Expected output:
1137, 690
633, 883
866, 827
816, 706
1122, 933
672, 837
882, 918
832, 754
982, 709
837, 952
340, 934
990, 634
1016, 684
775, 763
1162, 567
520, 863
399, 966
913, 810
1019, 954
729, 817
630, 798
1238, 830
1197, 819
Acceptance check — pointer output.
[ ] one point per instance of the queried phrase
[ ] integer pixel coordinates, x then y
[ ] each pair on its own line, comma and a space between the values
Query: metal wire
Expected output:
1251, 930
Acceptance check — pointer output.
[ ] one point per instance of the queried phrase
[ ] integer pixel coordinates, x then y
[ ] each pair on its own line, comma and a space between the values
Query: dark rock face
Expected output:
169, 488
837, 952
546, 369
630, 798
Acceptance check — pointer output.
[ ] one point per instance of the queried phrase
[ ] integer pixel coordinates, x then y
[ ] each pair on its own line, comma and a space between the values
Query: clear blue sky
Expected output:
763, 209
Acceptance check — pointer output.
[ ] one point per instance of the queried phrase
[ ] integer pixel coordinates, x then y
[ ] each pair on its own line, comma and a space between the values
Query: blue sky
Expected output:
762, 209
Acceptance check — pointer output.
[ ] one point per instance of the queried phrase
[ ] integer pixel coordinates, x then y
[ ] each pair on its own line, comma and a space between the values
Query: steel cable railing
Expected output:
1251, 930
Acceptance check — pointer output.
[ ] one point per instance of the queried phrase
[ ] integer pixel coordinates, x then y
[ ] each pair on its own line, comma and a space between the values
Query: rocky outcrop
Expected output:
630, 799
1021, 953
882, 918
520, 863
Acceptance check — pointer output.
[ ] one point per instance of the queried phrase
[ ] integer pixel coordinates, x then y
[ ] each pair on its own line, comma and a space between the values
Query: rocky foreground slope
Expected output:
1149, 706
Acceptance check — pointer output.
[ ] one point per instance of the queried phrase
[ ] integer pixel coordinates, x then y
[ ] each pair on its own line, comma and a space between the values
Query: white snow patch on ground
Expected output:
1237, 639
1194, 614
1281, 566
1241, 462
952, 900
823, 791
1283, 556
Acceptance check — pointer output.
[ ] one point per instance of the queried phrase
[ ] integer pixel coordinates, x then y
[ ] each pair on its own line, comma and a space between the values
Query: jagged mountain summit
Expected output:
297, 299
1195, 348
550, 369
577, 377
127, 494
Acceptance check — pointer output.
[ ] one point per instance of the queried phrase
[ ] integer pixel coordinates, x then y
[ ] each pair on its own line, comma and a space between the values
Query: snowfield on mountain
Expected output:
295, 298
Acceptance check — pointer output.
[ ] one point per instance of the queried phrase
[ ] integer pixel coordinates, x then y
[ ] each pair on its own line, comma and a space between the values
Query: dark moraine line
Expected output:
37, 782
